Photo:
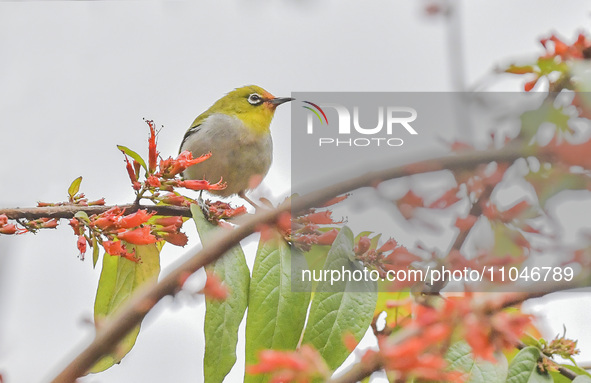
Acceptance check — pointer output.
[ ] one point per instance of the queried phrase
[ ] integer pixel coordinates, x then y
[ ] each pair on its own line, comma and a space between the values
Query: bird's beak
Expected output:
280, 100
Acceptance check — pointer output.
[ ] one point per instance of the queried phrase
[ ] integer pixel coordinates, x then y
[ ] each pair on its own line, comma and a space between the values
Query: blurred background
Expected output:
77, 77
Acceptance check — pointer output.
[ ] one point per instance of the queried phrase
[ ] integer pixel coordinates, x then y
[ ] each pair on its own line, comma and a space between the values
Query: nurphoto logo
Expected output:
345, 130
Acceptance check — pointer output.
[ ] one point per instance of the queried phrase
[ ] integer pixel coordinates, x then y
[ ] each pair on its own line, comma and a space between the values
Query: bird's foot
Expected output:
242, 195
204, 205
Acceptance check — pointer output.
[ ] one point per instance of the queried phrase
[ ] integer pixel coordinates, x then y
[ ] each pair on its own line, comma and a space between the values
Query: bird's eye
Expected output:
255, 99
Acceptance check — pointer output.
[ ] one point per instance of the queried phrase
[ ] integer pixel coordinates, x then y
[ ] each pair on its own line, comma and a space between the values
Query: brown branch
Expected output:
68, 211
130, 315
360, 371
467, 160
475, 211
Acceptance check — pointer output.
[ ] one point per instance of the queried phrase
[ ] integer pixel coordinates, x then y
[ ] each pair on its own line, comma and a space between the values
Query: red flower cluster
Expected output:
557, 54
577, 50
307, 230
139, 228
517, 211
389, 256
218, 211
408, 204
302, 366
9, 228
570, 154
565, 348
420, 355
163, 175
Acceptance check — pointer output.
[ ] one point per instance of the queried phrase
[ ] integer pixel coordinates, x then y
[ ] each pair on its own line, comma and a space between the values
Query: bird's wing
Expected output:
192, 130
196, 126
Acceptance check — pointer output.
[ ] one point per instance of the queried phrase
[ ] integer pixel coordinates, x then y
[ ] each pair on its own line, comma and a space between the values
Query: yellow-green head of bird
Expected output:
253, 105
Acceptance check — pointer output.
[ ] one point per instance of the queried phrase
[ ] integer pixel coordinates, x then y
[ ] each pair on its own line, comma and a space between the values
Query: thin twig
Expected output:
475, 211
68, 211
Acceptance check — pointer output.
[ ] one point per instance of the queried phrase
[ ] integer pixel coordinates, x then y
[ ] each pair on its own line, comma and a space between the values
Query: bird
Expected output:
236, 131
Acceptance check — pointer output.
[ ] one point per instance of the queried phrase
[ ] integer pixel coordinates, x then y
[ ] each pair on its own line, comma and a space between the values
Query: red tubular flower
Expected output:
3, 219
136, 167
175, 238
388, 246
319, 218
108, 219
49, 224
131, 173
168, 221
201, 185
349, 341
222, 210
77, 226
478, 338
81, 244
301, 366
173, 199
98, 202
272, 360
135, 219
171, 168
465, 224
335, 200
118, 248
152, 152
113, 247
408, 203
139, 236
571, 154
363, 245
515, 211
402, 257
530, 85
8, 229
153, 181
446, 200
327, 238
214, 288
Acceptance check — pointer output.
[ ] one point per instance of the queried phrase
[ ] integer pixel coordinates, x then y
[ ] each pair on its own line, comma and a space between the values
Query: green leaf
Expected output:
507, 241
82, 216
276, 309
548, 182
120, 277
133, 155
315, 258
340, 307
74, 187
460, 358
519, 69
524, 368
95, 251
547, 113
393, 314
222, 318
529, 340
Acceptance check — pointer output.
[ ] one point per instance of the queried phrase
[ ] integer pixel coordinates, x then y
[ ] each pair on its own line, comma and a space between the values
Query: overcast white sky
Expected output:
76, 78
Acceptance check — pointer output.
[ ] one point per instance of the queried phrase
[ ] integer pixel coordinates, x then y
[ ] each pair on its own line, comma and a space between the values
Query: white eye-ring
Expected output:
255, 99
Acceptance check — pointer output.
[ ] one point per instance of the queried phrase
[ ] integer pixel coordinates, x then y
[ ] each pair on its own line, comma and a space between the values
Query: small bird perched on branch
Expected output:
235, 129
